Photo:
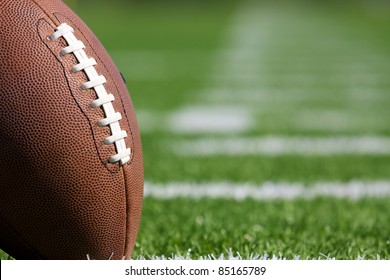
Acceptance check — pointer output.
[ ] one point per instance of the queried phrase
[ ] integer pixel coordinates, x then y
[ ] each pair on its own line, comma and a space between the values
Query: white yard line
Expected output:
277, 145
262, 95
243, 45
243, 76
269, 190
338, 121
212, 119
242, 42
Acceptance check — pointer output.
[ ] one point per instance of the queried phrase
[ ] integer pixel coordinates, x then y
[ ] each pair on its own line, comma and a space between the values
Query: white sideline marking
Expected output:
275, 146
269, 190
210, 120
290, 94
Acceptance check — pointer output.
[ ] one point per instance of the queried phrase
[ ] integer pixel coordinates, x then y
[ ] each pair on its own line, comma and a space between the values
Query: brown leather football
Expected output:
71, 166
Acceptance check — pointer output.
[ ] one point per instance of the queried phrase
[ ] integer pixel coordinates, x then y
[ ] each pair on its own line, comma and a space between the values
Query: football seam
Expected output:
53, 24
127, 222
64, 69
96, 82
56, 14
133, 154
70, 90
53, 17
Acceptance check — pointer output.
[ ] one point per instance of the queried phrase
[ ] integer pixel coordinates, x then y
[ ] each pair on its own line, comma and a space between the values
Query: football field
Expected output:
265, 126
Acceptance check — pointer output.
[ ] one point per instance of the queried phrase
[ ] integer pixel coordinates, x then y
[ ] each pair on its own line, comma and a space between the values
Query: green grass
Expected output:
156, 25
320, 68
310, 229
259, 169
166, 35
357, 38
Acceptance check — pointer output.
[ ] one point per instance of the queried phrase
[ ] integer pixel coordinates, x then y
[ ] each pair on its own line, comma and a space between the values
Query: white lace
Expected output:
95, 82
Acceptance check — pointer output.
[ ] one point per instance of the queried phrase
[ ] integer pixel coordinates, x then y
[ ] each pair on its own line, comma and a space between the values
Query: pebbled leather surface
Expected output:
59, 196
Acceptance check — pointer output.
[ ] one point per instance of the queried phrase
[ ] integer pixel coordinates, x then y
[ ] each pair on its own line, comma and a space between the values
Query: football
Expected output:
71, 165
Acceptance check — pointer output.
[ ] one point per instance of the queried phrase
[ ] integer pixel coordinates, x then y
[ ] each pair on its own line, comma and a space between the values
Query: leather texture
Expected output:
60, 198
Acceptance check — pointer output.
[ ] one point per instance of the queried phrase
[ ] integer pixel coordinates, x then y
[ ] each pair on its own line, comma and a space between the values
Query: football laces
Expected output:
96, 82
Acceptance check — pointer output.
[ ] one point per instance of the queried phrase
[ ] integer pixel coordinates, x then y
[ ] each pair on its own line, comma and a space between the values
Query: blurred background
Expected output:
231, 93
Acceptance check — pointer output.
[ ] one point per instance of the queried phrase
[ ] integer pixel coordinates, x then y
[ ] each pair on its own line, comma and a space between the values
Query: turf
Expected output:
312, 69
292, 61
258, 169
310, 229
